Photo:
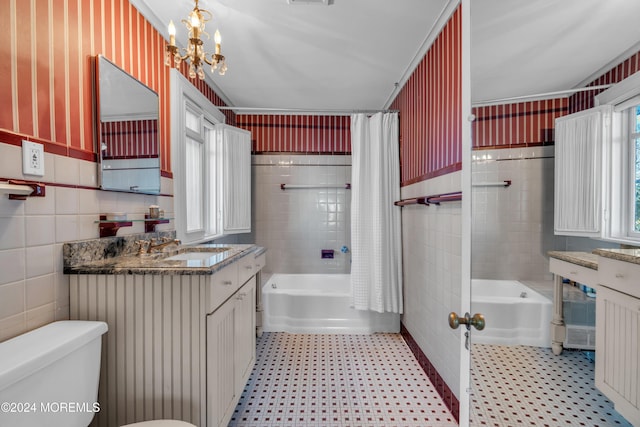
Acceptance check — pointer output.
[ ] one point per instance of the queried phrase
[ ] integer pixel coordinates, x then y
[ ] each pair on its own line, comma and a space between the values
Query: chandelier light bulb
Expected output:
172, 28
217, 37
195, 20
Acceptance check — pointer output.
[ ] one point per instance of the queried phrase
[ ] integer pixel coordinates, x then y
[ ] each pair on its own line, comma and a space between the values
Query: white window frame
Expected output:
630, 187
619, 197
184, 95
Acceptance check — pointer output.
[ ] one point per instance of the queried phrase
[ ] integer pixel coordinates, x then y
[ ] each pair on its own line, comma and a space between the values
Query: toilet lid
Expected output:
160, 423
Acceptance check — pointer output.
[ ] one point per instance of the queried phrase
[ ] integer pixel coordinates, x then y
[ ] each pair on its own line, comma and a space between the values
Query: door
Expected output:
245, 326
221, 387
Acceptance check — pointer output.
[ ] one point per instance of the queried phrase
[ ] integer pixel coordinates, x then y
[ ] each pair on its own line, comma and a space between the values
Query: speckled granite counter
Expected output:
627, 255
117, 255
584, 259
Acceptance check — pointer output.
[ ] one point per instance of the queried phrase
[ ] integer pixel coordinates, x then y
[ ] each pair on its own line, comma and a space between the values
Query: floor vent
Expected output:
581, 337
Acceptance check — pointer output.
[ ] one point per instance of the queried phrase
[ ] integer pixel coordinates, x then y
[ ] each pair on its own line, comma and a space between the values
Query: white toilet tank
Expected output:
49, 376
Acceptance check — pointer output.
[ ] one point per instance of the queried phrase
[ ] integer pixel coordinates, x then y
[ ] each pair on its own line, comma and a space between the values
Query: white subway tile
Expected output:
66, 201
13, 326
41, 316
66, 228
12, 299
67, 170
40, 291
12, 232
40, 230
41, 205
39, 260
88, 173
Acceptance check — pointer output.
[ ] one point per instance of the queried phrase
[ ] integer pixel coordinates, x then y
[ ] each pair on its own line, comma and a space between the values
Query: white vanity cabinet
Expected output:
230, 353
617, 335
179, 346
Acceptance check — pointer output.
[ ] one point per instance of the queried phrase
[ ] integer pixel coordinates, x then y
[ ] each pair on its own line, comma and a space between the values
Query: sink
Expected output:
196, 254
190, 256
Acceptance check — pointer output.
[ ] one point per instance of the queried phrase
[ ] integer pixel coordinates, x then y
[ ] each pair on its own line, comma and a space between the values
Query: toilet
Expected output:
49, 376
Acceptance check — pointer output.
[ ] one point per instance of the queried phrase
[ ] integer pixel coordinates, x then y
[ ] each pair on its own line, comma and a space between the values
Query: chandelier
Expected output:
194, 52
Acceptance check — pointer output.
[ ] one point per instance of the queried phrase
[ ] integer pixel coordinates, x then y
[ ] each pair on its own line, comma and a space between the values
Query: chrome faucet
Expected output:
151, 246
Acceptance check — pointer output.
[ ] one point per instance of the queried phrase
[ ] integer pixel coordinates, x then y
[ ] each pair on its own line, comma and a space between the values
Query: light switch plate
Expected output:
32, 158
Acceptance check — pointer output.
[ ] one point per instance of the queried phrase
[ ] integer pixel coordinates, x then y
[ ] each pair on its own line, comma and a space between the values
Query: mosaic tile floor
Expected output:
373, 380
534, 387
338, 380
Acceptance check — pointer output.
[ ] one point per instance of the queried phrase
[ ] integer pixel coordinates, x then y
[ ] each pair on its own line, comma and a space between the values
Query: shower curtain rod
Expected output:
306, 110
538, 95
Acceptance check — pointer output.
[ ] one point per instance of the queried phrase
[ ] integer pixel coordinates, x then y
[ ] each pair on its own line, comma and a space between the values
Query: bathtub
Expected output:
318, 304
515, 314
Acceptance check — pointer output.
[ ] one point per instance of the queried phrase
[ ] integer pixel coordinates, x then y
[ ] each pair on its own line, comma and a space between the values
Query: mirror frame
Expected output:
129, 171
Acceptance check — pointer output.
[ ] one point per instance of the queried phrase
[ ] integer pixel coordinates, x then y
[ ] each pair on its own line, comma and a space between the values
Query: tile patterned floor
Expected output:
373, 380
338, 380
534, 387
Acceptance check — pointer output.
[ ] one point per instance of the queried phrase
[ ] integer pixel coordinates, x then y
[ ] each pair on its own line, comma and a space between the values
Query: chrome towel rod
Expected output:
283, 187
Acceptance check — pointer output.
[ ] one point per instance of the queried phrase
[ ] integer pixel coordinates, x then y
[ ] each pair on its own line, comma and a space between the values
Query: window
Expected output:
633, 202
195, 163
621, 162
211, 165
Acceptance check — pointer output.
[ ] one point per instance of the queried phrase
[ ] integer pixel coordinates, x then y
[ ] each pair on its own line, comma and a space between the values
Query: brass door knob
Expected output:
477, 321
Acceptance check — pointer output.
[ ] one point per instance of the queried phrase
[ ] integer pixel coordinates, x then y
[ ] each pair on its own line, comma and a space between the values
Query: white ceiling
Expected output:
349, 55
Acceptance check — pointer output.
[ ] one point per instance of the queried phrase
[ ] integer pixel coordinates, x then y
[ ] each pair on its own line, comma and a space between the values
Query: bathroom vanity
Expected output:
615, 274
618, 330
181, 339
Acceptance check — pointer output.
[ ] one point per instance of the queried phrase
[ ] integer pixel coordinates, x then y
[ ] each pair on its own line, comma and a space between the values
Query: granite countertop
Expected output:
157, 263
584, 259
627, 255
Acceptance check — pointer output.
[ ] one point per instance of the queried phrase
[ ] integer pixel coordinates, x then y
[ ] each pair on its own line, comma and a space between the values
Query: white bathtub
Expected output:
514, 313
318, 304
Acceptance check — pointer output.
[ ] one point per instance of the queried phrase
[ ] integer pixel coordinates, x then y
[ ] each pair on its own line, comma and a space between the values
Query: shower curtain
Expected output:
376, 263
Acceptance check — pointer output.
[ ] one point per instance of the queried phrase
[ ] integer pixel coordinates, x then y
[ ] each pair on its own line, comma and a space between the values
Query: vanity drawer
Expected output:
221, 286
246, 268
620, 275
261, 261
574, 272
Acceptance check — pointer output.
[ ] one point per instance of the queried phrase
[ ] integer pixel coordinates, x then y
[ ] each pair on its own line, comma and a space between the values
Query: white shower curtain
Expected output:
376, 263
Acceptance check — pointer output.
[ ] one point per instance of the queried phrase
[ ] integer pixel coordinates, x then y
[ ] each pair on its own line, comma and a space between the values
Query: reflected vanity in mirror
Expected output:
126, 131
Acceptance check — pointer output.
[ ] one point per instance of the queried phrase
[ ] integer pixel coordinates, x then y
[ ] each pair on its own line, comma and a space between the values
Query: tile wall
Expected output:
432, 244
512, 227
294, 225
33, 290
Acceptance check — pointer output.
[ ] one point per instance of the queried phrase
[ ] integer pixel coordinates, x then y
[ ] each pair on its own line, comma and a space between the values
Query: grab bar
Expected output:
505, 183
283, 187
434, 199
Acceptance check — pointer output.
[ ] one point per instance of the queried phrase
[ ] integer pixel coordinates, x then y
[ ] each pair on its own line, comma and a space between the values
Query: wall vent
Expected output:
307, 2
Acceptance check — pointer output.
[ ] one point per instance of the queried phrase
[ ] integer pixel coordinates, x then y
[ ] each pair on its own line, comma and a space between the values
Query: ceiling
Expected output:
350, 54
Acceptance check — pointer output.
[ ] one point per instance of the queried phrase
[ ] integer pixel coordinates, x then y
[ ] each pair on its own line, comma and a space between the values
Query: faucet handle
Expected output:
142, 246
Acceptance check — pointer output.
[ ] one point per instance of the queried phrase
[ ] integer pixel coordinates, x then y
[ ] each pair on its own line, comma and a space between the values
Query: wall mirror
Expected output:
126, 131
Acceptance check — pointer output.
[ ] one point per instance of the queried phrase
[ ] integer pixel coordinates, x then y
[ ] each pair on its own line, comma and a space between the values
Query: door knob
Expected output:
476, 321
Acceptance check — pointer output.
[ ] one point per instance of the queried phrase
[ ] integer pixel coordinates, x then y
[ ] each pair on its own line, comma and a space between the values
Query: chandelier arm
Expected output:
194, 52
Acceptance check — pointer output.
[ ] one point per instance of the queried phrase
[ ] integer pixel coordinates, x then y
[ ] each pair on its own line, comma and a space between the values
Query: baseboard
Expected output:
443, 389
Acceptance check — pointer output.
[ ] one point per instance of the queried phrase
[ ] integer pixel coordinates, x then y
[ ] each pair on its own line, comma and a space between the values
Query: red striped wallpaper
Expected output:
298, 133
522, 124
531, 123
584, 100
130, 139
430, 105
46, 85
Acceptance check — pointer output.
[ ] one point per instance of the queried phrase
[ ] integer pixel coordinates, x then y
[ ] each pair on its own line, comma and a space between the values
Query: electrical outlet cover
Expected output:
32, 158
